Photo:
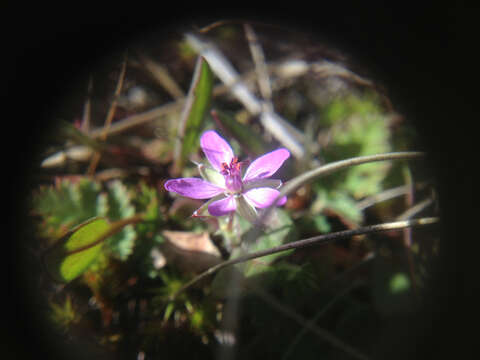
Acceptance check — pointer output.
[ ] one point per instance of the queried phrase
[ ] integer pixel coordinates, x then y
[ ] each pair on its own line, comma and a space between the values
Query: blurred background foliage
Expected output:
121, 298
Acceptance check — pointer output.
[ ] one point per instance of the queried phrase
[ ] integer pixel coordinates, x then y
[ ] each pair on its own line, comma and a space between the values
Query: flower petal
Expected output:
216, 149
222, 207
263, 197
266, 165
194, 188
282, 201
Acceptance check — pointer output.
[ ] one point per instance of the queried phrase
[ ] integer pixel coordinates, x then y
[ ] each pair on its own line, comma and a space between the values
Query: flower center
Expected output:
232, 174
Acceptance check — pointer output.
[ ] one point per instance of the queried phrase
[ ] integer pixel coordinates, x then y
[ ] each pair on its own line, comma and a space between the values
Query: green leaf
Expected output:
146, 202
198, 102
73, 254
321, 223
391, 287
339, 201
65, 204
64, 315
358, 127
119, 207
250, 141
280, 231
399, 283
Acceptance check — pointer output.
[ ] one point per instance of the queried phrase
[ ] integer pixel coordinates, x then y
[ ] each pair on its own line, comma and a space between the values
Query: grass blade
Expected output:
196, 107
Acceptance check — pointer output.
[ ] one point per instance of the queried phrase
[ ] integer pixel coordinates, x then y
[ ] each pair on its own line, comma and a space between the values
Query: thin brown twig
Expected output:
162, 110
109, 118
415, 209
162, 76
85, 126
261, 68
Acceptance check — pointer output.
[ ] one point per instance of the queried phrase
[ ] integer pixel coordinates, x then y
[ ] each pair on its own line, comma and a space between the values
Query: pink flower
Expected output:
224, 184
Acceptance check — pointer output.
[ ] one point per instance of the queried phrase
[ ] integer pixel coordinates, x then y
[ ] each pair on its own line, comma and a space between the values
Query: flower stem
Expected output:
321, 239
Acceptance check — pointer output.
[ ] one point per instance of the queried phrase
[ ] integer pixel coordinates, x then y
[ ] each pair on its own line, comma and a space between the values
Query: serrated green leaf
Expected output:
146, 202
359, 127
66, 260
65, 204
119, 207
201, 93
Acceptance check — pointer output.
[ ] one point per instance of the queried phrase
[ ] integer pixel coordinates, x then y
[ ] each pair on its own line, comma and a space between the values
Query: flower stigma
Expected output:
233, 176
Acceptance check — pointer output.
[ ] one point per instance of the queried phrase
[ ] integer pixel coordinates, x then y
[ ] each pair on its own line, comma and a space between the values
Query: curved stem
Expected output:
321, 239
300, 180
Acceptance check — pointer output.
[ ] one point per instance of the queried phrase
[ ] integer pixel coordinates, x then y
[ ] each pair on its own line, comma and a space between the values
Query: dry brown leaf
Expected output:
190, 251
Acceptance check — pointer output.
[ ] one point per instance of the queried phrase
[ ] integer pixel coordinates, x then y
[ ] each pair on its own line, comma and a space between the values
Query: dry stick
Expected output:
85, 127
407, 233
150, 115
316, 240
162, 110
382, 196
109, 118
138, 119
409, 213
162, 76
260, 65
281, 129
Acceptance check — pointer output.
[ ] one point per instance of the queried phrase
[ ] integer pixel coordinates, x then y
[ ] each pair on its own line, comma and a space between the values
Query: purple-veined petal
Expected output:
193, 188
216, 149
263, 197
266, 165
222, 207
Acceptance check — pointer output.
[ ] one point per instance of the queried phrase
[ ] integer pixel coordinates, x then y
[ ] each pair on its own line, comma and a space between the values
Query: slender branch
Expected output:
87, 107
415, 209
382, 196
109, 118
260, 64
293, 184
304, 178
161, 74
316, 240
